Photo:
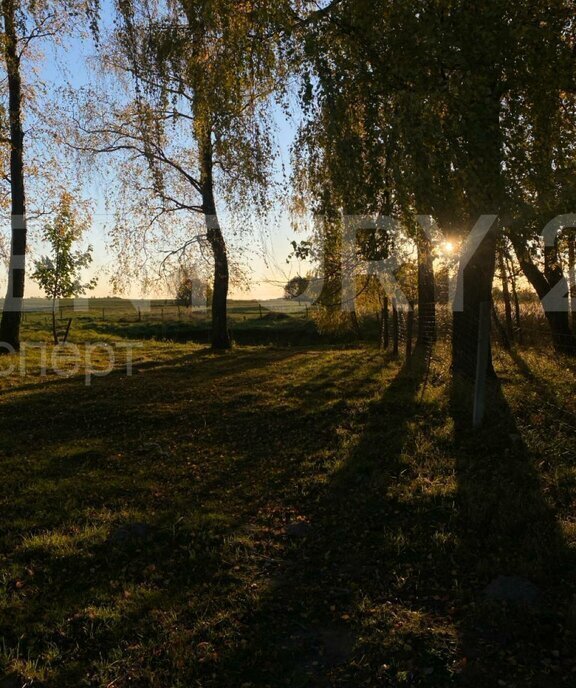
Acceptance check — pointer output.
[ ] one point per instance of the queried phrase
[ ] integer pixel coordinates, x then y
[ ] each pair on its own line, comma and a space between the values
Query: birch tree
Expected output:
23, 25
197, 119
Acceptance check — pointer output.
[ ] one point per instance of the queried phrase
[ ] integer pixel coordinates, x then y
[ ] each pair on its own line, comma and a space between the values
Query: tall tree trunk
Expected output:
220, 333
12, 313
506, 294
331, 295
553, 276
426, 292
564, 341
477, 280
559, 321
481, 109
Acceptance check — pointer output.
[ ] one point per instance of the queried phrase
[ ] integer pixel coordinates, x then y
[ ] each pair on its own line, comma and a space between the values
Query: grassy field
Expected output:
298, 516
253, 323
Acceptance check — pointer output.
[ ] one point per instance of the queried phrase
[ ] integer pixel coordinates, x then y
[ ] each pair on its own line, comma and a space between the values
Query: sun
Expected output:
449, 248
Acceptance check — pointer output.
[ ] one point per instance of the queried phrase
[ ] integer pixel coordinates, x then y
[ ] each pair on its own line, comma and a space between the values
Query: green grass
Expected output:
285, 517
251, 323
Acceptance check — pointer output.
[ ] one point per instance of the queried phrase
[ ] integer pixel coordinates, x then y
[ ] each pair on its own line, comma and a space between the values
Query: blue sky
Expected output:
265, 254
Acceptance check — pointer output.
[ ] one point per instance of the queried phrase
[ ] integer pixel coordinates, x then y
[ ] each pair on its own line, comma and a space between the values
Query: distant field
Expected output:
156, 308
251, 322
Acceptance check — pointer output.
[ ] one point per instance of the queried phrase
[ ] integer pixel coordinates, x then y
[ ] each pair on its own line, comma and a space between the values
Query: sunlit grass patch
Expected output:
62, 543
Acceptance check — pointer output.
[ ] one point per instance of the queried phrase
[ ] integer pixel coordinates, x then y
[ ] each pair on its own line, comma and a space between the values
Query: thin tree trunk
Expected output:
506, 343
54, 329
506, 294
379, 317
355, 323
385, 331
220, 333
67, 331
12, 313
572, 277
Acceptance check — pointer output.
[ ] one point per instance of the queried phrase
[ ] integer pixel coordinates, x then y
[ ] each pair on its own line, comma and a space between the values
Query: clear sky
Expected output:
265, 254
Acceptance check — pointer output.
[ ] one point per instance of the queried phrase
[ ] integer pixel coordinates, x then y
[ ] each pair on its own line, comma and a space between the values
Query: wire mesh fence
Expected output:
158, 310
432, 329
429, 329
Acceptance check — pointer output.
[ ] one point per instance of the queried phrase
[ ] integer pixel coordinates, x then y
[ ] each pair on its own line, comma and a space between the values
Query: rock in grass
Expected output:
512, 589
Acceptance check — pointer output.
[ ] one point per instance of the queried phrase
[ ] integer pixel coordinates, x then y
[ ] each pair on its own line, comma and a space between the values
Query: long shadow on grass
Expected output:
341, 558
513, 604
82, 574
296, 333
560, 416
383, 581
378, 578
67, 447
